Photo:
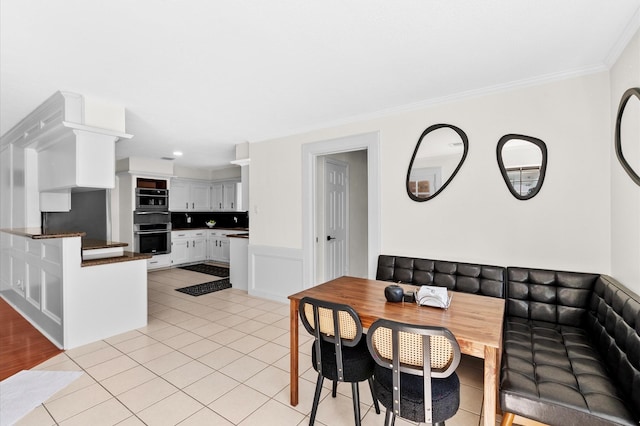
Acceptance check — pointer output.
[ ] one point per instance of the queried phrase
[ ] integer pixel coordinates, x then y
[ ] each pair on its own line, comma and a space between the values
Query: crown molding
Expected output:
457, 97
623, 40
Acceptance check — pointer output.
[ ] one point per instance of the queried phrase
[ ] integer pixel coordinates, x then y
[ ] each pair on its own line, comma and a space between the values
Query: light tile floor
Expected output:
216, 359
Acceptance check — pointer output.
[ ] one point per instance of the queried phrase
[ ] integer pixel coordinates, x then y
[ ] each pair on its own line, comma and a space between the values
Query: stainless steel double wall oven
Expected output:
151, 219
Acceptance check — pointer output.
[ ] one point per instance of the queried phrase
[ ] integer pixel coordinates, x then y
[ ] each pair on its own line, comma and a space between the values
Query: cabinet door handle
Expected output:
193, 205
231, 204
187, 244
186, 205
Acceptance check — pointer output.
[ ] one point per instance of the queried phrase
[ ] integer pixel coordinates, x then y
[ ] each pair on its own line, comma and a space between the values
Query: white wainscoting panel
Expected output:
274, 272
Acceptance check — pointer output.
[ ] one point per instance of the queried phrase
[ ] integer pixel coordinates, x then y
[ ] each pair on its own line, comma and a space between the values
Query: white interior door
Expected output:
336, 218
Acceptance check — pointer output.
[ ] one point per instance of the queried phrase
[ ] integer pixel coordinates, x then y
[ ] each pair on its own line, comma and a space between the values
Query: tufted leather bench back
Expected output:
551, 296
465, 277
613, 323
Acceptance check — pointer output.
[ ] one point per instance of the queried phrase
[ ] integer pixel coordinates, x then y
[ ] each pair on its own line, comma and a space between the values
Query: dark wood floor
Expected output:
21, 345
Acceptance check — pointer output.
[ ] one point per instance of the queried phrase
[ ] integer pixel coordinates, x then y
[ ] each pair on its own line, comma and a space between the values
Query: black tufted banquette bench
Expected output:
465, 277
571, 349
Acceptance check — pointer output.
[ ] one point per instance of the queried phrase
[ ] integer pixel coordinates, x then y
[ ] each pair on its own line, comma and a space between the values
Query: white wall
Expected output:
625, 194
476, 219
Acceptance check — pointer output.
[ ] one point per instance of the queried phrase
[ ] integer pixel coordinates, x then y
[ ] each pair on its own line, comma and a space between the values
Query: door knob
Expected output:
329, 238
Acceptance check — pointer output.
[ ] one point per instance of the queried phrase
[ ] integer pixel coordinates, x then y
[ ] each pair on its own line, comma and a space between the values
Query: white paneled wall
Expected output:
274, 272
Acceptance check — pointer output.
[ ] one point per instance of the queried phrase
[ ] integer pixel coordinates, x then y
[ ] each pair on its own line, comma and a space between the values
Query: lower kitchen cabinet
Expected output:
159, 261
198, 245
188, 246
218, 246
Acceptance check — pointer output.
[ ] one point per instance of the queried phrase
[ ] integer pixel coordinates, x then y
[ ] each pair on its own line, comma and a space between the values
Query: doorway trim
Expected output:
310, 151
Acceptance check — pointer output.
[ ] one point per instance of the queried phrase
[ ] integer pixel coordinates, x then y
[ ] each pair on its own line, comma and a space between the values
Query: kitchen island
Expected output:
71, 300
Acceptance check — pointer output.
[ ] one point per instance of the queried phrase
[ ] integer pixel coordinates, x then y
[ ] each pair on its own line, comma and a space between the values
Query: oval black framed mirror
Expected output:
439, 154
627, 137
523, 164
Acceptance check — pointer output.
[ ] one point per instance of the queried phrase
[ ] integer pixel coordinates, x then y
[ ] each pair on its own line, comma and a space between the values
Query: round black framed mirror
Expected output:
439, 154
523, 163
628, 133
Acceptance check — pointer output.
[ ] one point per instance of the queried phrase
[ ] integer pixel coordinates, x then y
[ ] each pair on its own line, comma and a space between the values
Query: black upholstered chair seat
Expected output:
357, 362
445, 394
554, 369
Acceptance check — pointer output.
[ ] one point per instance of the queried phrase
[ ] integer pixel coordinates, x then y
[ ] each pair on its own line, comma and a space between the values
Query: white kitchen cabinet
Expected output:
229, 201
218, 246
178, 195
179, 248
226, 196
185, 195
200, 196
198, 251
159, 261
217, 196
188, 246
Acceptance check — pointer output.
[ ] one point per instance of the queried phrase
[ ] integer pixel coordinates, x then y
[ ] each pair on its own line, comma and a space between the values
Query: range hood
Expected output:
69, 143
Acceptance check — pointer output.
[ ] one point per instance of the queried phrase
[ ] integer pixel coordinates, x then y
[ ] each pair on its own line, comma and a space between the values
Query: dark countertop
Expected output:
38, 234
91, 244
238, 236
213, 229
127, 256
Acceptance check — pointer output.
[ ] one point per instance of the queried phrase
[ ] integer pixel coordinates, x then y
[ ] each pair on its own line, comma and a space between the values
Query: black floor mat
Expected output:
205, 288
218, 271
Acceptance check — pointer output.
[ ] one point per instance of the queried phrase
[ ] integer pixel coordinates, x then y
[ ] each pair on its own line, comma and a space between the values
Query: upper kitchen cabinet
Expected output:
186, 195
226, 196
200, 196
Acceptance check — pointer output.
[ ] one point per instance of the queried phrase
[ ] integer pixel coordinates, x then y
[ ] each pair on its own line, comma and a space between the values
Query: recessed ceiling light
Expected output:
177, 153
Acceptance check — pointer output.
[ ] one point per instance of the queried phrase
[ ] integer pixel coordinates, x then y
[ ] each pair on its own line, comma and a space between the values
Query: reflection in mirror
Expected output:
628, 133
523, 162
438, 156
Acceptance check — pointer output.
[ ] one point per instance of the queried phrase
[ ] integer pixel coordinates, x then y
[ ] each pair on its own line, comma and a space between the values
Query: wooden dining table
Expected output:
475, 321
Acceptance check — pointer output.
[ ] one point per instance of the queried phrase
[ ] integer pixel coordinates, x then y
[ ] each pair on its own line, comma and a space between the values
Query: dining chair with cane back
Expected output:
339, 351
415, 373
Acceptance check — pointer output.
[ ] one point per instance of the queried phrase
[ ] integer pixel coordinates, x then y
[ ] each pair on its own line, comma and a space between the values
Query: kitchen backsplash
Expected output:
198, 219
89, 214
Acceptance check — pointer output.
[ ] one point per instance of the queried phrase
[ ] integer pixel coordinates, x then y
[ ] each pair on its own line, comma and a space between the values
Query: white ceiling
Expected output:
203, 75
